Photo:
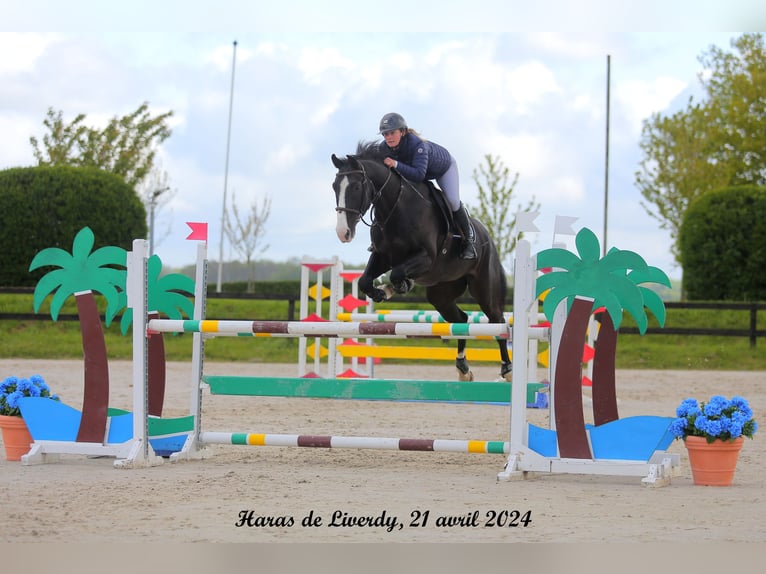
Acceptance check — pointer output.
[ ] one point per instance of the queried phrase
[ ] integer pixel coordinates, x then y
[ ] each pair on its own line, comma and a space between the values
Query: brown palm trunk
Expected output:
96, 389
157, 369
567, 398
604, 358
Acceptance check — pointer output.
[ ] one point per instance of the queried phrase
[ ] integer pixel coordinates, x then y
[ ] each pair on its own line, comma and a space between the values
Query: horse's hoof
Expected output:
465, 377
506, 371
463, 369
377, 295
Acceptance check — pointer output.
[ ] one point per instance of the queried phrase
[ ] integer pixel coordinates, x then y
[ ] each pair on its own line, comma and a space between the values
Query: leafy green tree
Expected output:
80, 273
494, 209
126, 146
723, 245
715, 143
47, 206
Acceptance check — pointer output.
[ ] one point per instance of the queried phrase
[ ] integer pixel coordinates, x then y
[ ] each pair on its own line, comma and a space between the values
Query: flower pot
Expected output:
713, 464
16, 437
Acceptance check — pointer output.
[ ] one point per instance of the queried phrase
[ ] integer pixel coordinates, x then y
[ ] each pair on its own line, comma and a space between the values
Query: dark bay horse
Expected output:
411, 237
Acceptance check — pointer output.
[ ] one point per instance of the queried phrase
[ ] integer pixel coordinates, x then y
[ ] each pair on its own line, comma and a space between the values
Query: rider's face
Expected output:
392, 137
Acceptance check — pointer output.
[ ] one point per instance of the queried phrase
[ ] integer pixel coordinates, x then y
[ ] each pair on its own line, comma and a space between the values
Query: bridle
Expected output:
378, 193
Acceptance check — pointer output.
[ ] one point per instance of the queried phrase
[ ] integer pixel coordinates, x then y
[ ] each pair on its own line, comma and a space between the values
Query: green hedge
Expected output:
722, 244
43, 207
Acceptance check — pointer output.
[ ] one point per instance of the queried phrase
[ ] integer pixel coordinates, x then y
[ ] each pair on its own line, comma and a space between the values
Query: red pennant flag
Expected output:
199, 231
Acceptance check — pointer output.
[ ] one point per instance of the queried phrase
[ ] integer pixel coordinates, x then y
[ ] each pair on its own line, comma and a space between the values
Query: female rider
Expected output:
419, 160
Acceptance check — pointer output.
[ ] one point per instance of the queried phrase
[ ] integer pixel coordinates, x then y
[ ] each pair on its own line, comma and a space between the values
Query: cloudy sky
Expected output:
527, 85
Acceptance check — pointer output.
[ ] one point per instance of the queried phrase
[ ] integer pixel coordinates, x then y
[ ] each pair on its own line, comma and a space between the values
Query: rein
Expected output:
378, 194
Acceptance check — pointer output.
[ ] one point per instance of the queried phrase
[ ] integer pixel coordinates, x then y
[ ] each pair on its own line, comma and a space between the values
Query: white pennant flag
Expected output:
525, 221
563, 225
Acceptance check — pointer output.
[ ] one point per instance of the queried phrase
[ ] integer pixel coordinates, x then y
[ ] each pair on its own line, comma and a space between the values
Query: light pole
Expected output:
152, 203
606, 166
226, 170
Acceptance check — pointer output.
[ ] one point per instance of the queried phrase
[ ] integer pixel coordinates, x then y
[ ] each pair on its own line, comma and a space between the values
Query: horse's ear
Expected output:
337, 162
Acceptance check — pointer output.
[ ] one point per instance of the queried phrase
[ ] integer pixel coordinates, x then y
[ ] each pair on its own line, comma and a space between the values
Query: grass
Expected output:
62, 340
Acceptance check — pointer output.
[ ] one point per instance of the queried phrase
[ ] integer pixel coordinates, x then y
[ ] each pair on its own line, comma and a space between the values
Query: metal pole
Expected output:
606, 167
226, 171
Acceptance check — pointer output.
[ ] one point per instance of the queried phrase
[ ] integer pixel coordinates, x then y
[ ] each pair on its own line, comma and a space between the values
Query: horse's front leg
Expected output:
376, 266
403, 275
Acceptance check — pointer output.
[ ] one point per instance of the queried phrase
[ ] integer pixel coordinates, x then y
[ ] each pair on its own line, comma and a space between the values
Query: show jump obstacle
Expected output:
325, 281
634, 446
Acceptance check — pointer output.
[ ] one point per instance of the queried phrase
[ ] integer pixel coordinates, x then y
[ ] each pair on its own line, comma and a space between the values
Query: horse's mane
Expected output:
370, 150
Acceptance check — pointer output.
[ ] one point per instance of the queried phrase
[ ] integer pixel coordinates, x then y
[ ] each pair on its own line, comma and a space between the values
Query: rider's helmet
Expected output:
392, 121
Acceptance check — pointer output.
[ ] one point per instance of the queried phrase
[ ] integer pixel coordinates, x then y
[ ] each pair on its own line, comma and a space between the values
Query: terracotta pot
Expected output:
16, 437
713, 464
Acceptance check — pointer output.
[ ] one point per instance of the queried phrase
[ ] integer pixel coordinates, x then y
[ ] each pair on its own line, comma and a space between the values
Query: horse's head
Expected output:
353, 195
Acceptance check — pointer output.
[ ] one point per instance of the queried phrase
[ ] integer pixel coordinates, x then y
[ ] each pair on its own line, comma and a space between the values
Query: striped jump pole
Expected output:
403, 316
332, 329
356, 442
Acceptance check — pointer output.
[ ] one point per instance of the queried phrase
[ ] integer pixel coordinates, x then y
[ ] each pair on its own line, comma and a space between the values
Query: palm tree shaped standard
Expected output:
585, 283
604, 359
81, 273
164, 295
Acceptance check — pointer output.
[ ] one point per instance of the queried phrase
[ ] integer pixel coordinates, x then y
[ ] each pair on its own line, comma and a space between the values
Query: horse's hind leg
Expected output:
491, 298
443, 297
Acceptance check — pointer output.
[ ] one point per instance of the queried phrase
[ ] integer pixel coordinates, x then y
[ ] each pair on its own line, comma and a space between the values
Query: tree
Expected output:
494, 209
47, 206
156, 194
126, 146
711, 144
728, 227
245, 235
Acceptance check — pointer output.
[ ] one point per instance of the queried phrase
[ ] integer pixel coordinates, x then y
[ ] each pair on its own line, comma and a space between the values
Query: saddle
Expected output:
453, 235
438, 197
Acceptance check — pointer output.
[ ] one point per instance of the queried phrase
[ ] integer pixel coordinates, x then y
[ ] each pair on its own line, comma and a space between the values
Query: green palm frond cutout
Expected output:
168, 295
652, 301
587, 276
79, 271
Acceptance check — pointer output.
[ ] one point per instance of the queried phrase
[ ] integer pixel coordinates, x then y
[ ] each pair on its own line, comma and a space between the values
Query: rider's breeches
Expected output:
450, 185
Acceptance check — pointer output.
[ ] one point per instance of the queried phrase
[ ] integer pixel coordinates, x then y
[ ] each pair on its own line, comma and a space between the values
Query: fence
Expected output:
752, 332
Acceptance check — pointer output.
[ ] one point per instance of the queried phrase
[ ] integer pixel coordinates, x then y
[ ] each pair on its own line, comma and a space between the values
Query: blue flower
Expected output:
741, 406
13, 399
12, 389
719, 418
716, 406
688, 407
678, 427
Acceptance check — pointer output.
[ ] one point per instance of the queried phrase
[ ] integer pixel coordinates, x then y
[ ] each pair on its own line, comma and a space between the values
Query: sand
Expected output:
319, 495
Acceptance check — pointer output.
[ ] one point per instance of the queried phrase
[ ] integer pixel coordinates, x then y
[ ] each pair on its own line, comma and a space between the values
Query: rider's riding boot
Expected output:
467, 250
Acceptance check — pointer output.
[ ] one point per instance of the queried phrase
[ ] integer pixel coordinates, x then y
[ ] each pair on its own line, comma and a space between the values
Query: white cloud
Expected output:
314, 63
22, 50
529, 83
572, 46
15, 149
222, 57
639, 99
570, 188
